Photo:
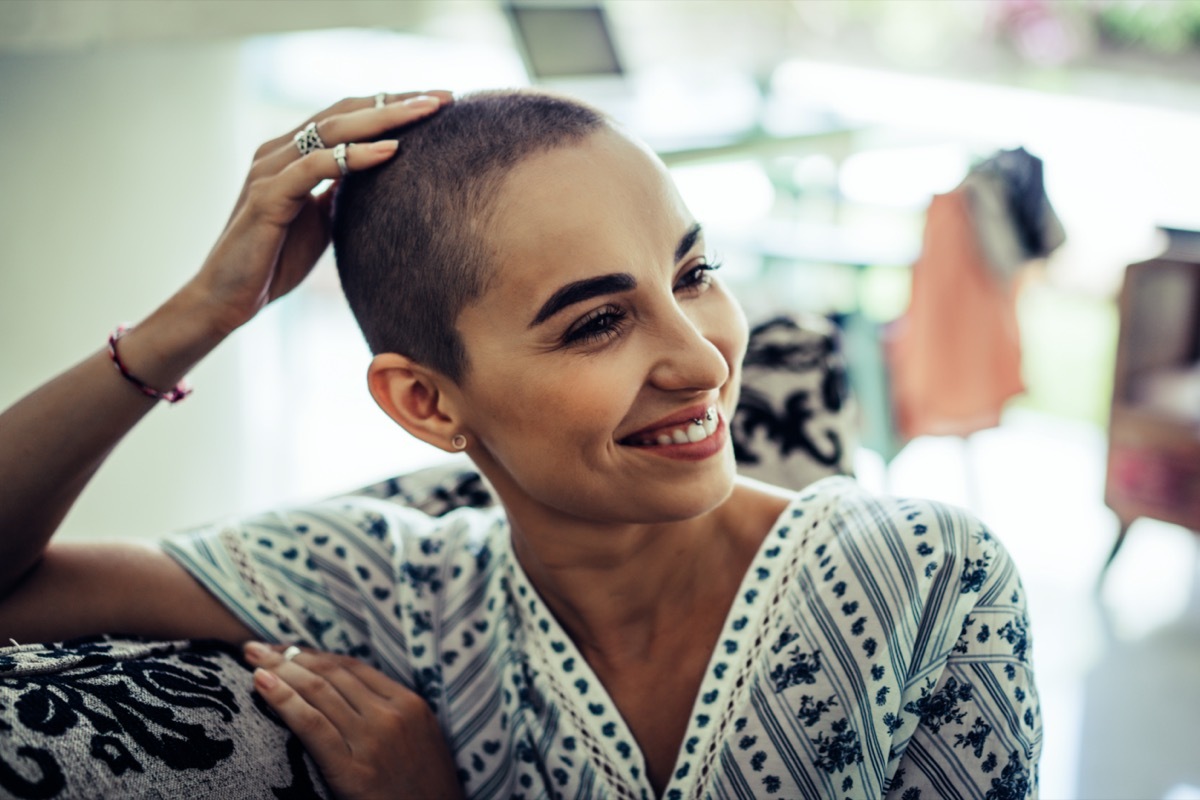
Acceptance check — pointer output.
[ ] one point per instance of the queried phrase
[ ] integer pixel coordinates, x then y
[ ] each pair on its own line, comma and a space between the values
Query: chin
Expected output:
677, 498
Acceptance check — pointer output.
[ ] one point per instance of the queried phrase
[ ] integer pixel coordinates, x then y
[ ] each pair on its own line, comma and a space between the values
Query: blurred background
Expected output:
812, 139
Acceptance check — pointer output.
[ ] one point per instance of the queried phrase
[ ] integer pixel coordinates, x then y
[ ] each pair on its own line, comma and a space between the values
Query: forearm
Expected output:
53, 440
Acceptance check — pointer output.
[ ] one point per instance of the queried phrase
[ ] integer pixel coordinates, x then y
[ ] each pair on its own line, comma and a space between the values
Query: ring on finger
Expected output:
291, 652
339, 155
308, 140
380, 99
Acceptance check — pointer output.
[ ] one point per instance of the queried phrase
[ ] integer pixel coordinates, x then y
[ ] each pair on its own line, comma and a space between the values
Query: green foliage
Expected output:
1163, 26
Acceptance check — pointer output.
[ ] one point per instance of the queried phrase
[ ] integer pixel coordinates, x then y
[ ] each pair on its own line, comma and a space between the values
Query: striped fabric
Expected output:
877, 648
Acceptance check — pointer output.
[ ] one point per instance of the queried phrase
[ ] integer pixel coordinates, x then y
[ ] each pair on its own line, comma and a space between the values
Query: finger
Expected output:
359, 103
276, 153
271, 655
314, 729
281, 197
371, 678
321, 681
446, 96
345, 105
353, 125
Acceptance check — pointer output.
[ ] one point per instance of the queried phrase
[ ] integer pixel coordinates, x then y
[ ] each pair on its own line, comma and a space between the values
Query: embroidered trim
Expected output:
568, 698
745, 674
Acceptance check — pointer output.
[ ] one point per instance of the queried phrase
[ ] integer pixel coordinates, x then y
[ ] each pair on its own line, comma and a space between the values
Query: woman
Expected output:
635, 621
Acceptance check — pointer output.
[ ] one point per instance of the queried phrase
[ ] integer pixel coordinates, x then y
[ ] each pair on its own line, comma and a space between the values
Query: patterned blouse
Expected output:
876, 648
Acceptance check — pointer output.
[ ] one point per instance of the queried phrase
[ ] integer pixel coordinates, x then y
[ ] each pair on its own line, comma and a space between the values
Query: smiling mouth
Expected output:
690, 432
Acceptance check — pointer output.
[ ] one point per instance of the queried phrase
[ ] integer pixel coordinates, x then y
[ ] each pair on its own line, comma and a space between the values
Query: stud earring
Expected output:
458, 442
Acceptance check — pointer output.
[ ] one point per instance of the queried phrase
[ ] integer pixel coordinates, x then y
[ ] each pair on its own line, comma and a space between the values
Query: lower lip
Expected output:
691, 451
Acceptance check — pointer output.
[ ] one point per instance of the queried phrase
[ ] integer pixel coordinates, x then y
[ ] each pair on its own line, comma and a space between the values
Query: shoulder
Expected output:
915, 568
930, 540
362, 522
341, 572
364, 542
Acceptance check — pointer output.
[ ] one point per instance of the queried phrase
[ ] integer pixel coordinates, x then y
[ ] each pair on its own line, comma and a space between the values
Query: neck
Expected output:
619, 590
614, 590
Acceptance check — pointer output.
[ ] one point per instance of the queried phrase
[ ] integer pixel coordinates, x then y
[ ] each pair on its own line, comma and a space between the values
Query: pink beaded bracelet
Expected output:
180, 390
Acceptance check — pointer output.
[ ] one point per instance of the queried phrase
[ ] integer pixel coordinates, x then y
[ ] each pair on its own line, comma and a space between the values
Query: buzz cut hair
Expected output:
410, 236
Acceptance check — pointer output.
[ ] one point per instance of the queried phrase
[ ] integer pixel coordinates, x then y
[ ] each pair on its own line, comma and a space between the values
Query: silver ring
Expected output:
381, 100
308, 140
339, 155
291, 653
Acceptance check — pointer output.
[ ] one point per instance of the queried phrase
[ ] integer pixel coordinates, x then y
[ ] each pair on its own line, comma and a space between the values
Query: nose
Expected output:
688, 357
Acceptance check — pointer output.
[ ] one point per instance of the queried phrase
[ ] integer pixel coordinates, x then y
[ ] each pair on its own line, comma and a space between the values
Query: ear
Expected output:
415, 397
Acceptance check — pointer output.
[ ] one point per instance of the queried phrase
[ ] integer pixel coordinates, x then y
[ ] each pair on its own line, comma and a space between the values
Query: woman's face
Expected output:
601, 334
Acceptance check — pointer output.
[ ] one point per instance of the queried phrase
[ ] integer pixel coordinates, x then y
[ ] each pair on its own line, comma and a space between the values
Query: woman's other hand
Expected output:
370, 736
279, 228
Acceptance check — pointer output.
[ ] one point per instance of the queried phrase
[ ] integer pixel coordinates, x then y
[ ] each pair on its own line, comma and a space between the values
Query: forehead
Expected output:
605, 204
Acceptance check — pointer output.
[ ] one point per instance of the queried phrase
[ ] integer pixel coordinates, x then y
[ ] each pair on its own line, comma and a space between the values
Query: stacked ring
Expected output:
308, 140
339, 155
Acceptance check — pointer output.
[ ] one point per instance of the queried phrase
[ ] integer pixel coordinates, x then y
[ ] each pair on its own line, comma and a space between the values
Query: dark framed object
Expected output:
564, 40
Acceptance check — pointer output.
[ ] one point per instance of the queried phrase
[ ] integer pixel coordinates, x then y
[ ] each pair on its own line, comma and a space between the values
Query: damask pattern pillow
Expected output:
108, 717
796, 420
436, 490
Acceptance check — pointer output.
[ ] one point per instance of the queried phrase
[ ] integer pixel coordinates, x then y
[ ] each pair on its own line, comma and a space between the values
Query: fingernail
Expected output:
384, 146
255, 650
422, 101
264, 679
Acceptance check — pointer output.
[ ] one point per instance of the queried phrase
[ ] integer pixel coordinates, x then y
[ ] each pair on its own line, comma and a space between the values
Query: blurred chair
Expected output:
1154, 425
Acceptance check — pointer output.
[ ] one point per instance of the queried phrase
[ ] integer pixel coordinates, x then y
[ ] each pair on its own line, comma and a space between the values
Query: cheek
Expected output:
552, 402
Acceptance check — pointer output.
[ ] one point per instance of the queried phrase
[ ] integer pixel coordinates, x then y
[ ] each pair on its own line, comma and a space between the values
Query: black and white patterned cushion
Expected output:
796, 421
436, 490
108, 717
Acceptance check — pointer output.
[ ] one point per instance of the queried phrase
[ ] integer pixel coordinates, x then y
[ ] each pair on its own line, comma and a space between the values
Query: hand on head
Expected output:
279, 228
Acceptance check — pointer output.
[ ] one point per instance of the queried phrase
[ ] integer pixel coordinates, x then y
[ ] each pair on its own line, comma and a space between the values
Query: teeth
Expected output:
695, 431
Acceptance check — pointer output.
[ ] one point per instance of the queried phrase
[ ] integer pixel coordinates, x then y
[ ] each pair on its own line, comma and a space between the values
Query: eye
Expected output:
697, 278
599, 325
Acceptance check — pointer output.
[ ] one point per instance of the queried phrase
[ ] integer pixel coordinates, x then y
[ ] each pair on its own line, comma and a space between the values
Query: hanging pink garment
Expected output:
955, 355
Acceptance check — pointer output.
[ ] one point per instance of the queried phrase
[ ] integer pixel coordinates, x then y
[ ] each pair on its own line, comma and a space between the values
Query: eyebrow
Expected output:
586, 289
687, 242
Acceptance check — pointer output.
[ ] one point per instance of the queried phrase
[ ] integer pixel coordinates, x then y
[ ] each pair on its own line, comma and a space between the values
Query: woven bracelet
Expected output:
180, 390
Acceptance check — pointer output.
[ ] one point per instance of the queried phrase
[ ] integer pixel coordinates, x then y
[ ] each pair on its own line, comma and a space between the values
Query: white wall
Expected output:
119, 170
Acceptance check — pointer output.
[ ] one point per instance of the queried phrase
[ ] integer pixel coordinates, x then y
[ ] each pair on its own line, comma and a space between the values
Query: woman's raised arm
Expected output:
53, 440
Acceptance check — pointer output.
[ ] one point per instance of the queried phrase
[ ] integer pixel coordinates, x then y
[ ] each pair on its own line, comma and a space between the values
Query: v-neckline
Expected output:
584, 697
